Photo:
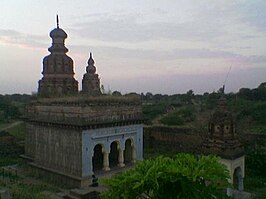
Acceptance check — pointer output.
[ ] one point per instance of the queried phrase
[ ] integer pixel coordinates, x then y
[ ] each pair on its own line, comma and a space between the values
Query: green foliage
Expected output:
184, 176
18, 131
10, 148
21, 190
259, 129
256, 185
173, 119
4, 161
179, 117
255, 110
12, 106
256, 161
253, 94
151, 111
212, 99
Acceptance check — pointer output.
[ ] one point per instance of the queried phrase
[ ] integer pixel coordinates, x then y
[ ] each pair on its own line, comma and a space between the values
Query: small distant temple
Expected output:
222, 141
72, 136
91, 81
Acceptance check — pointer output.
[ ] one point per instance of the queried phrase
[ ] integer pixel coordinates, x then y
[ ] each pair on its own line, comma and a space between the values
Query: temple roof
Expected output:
222, 139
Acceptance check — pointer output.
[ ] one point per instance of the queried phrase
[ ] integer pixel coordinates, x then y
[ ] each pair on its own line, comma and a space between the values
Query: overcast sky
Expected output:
161, 46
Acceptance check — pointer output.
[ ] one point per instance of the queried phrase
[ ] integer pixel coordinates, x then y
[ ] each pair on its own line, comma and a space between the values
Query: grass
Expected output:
21, 190
18, 131
5, 161
179, 117
256, 185
152, 111
173, 119
10, 151
4, 124
259, 129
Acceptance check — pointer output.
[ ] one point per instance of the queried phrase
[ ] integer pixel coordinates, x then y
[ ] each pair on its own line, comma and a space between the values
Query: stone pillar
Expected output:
121, 158
106, 161
134, 155
240, 183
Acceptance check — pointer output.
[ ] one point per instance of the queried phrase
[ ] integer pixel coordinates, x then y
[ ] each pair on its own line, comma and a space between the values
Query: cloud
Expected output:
180, 83
127, 28
163, 55
22, 40
208, 21
253, 14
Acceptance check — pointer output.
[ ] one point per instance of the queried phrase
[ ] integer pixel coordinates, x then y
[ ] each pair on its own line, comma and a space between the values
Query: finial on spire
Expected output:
91, 61
57, 21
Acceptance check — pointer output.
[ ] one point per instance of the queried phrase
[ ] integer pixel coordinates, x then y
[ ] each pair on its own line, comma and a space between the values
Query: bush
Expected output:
179, 117
153, 110
256, 161
184, 176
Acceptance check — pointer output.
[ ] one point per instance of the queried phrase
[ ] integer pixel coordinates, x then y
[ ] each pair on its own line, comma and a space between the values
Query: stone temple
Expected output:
70, 135
58, 72
222, 141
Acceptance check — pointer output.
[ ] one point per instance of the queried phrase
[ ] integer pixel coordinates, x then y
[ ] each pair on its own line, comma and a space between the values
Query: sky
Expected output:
162, 46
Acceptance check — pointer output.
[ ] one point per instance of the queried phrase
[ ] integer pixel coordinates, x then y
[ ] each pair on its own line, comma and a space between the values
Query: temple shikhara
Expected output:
72, 135
58, 70
222, 140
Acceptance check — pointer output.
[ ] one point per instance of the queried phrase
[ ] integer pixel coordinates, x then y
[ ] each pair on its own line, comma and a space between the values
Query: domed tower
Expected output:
91, 81
222, 141
58, 72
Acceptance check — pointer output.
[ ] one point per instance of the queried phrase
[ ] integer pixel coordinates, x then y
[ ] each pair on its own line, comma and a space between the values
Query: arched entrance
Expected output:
128, 153
97, 159
238, 179
114, 153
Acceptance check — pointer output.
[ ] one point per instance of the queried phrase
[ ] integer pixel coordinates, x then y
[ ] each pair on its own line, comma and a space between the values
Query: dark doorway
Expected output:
97, 159
113, 156
238, 181
128, 151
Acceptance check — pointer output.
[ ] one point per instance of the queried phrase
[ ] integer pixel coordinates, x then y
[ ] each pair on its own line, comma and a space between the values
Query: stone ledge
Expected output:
59, 178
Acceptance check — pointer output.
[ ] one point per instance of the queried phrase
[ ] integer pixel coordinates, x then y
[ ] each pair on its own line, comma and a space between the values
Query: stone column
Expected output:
134, 155
121, 158
106, 161
240, 183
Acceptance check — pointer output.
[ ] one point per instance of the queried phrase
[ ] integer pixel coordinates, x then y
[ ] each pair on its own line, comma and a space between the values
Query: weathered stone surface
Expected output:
85, 111
58, 72
222, 139
4, 193
91, 81
62, 133
172, 139
55, 148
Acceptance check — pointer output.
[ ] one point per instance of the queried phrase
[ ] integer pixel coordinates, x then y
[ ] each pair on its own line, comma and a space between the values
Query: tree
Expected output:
116, 93
184, 176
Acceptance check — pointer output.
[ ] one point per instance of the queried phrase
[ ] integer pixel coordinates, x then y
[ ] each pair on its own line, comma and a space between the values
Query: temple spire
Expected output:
57, 21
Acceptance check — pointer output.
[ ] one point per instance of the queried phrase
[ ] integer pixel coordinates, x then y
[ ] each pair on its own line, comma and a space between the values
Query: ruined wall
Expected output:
55, 148
172, 139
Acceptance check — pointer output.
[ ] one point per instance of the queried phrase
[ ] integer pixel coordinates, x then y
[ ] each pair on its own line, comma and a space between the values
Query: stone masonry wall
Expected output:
55, 148
85, 112
172, 139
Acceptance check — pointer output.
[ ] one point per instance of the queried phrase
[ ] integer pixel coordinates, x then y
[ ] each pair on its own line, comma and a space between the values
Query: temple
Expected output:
222, 141
71, 136
58, 72
91, 81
